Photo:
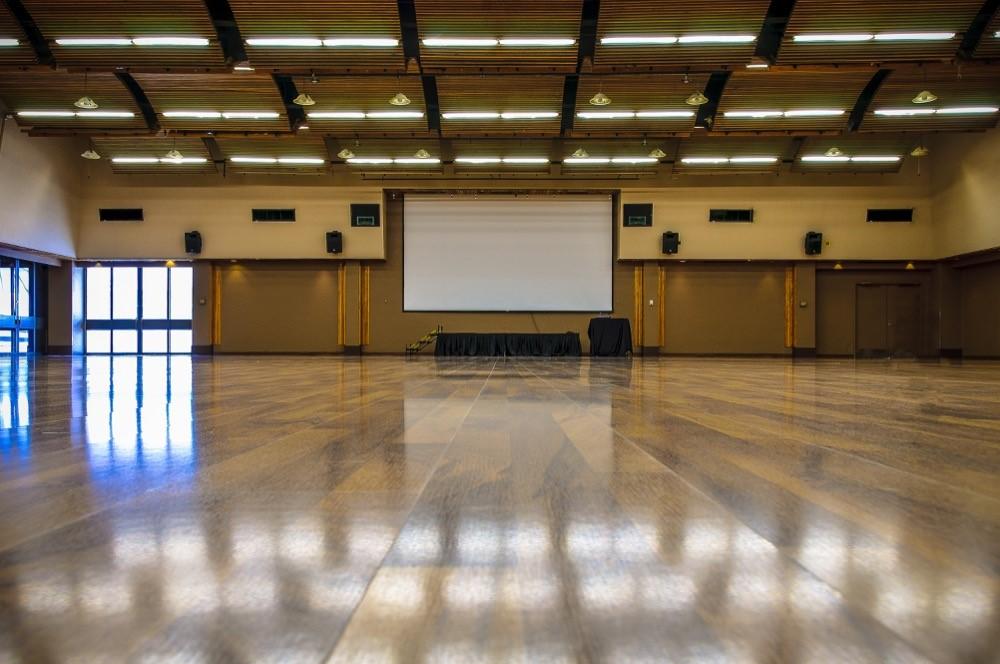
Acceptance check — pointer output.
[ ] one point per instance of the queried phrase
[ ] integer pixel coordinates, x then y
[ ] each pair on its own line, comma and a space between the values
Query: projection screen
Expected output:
507, 254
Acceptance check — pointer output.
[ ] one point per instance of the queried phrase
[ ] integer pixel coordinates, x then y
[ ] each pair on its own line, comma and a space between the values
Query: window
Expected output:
138, 309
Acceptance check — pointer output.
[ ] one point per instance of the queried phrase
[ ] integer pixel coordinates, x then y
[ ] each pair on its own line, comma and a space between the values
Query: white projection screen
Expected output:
507, 254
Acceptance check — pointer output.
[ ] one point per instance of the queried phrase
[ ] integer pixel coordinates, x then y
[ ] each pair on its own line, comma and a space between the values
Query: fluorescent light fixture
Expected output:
814, 113
363, 42
758, 65
301, 160
105, 114
253, 160
46, 114
389, 115
634, 160
605, 115
135, 160
705, 160
752, 160
417, 160
170, 41
968, 110
250, 115
717, 39
825, 159
904, 112
529, 115
753, 114
651, 40
838, 37
337, 115
185, 160
294, 42
8, 42
586, 160
98, 41
525, 160
369, 160
914, 36
243, 68
877, 159
477, 160
537, 41
193, 115
656, 115
470, 115
459, 42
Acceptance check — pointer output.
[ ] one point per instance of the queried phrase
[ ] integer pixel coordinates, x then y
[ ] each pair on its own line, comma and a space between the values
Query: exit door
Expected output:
887, 318
19, 319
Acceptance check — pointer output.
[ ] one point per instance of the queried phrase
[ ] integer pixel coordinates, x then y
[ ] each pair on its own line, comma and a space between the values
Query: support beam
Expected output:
974, 35
39, 44
214, 151
333, 148
288, 91
586, 47
772, 32
230, 39
141, 100
408, 30
431, 100
570, 85
714, 89
865, 99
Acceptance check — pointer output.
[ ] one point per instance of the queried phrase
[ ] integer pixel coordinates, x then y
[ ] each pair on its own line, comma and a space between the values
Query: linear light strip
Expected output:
798, 113
288, 161
844, 159
358, 115
949, 110
666, 40
79, 114
159, 160
642, 115
136, 41
487, 42
704, 161
493, 115
854, 37
9, 42
398, 160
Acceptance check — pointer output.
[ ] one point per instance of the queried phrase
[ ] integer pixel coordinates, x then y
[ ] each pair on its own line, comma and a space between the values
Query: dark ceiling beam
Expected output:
865, 99
586, 47
140, 99
214, 151
974, 35
714, 90
772, 32
431, 101
286, 87
39, 44
408, 29
230, 39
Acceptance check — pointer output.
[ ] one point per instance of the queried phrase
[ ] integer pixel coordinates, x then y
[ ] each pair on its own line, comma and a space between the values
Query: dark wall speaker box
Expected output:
365, 214
334, 242
192, 242
814, 243
671, 242
637, 214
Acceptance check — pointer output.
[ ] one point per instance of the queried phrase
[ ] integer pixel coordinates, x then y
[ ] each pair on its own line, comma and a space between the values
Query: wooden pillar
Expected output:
351, 289
638, 306
789, 307
804, 342
652, 306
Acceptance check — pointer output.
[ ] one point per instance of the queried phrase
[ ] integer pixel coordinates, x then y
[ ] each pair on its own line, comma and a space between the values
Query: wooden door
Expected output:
871, 323
903, 320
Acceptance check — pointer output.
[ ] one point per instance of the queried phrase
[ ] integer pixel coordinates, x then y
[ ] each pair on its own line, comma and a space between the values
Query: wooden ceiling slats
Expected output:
111, 147
954, 87
500, 94
10, 29
53, 90
365, 94
989, 47
652, 92
873, 16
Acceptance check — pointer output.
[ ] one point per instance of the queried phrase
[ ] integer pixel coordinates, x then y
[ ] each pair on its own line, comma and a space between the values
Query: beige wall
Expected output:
981, 310
965, 172
39, 187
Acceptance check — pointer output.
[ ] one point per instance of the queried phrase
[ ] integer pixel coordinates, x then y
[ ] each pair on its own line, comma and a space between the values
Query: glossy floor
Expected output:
388, 510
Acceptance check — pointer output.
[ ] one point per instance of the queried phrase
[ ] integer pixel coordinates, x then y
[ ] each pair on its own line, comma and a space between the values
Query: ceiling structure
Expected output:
475, 86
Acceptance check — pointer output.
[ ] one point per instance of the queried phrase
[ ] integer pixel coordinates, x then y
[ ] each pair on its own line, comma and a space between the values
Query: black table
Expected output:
610, 337
566, 344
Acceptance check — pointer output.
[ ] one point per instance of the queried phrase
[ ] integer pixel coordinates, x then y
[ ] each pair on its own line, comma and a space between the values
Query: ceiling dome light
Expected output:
581, 154
834, 152
600, 99
697, 99
657, 153
920, 151
925, 97
304, 100
346, 154
399, 99
174, 155
422, 154
91, 155
86, 103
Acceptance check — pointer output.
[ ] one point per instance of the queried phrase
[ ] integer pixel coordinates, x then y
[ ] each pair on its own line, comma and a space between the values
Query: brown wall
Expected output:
835, 306
981, 310
278, 307
392, 328
724, 308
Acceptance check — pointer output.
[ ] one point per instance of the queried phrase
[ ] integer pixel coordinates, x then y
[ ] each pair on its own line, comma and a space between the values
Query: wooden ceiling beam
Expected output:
865, 99
39, 44
974, 35
141, 100
772, 32
226, 28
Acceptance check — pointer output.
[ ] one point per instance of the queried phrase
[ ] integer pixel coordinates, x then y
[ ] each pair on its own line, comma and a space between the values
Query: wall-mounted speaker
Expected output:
365, 214
334, 242
814, 243
192, 242
671, 242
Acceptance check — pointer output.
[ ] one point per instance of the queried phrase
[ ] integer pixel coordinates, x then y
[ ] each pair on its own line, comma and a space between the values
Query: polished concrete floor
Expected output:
282, 510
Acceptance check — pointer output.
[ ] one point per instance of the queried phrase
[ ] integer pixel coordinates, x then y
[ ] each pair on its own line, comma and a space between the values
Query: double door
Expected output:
20, 324
888, 320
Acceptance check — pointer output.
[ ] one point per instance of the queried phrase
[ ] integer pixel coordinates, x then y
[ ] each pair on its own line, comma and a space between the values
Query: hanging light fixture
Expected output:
85, 102
346, 153
600, 99
920, 151
90, 154
304, 100
399, 99
422, 154
697, 99
834, 152
174, 155
925, 97
657, 153
581, 153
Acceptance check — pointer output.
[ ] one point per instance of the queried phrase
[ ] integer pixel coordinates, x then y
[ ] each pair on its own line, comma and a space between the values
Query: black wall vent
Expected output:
121, 214
260, 214
731, 216
890, 215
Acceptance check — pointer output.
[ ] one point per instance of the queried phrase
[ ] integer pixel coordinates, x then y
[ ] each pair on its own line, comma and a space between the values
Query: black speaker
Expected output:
334, 242
192, 242
671, 242
814, 243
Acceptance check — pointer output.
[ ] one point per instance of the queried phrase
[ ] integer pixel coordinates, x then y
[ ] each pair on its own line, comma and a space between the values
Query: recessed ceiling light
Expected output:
292, 42
345, 154
654, 115
477, 160
470, 115
101, 41
697, 99
841, 37
394, 114
649, 40
362, 42
91, 154
716, 39
303, 99
473, 42
170, 41
8, 42
914, 36
925, 97
605, 115
336, 115
250, 115
600, 99
399, 99
86, 102
537, 41
193, 115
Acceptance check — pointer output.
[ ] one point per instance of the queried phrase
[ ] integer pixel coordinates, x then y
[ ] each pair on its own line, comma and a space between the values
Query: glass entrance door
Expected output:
19, 321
